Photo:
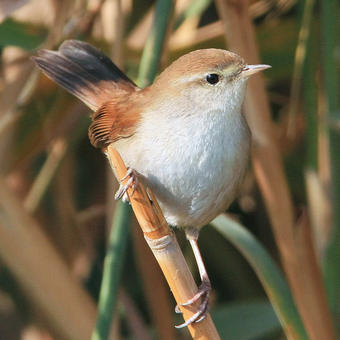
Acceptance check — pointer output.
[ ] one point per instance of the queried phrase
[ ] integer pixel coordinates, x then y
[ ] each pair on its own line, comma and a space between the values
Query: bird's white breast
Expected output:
192, 162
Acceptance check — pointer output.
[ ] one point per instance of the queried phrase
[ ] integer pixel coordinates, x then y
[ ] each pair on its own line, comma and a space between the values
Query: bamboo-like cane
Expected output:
165, 248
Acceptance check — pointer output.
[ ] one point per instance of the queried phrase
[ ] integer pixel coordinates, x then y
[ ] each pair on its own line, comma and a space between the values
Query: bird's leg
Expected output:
131, 183
204, 289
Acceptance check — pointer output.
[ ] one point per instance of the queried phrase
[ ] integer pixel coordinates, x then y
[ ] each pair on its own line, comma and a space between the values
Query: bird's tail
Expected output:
84, 71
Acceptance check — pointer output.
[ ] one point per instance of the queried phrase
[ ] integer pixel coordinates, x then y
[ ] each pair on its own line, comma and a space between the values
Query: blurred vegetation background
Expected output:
56, 190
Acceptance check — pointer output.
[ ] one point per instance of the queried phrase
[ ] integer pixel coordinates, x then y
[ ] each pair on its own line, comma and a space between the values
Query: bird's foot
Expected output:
132, 182
203, 293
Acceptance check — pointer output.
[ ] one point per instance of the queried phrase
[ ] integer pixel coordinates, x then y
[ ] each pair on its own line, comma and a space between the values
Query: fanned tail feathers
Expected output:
84, 71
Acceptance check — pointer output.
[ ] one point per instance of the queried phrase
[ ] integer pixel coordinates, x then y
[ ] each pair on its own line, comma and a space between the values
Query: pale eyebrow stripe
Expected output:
233, 68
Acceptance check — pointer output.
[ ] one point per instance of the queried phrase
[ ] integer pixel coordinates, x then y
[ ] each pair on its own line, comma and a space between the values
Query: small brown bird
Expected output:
184, 136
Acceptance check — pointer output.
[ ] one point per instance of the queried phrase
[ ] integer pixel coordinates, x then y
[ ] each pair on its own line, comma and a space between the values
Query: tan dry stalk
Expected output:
41, 182
267, 161
41, 272
199, 36
165, 248
320, 212
314, 292
134, 318
266, 157
137, 37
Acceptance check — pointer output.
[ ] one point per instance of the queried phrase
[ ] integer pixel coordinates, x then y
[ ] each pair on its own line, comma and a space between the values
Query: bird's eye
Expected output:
213, 78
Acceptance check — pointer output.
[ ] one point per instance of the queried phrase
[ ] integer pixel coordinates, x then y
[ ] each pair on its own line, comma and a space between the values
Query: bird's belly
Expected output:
192, 185
193, 196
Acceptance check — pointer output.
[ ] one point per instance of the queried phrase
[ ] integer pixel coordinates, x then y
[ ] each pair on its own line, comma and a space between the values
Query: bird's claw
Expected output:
131, 183
204, 293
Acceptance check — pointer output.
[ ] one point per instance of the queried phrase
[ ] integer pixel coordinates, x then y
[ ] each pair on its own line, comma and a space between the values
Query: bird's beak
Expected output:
249, 70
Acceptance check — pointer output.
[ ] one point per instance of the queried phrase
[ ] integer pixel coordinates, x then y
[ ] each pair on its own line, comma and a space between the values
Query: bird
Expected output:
185, 136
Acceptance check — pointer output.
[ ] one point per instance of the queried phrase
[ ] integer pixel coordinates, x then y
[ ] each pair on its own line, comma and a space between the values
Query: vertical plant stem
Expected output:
196, 8
318, 201
112, 271
314, 295
270, 174
154, 44
311, 236
300, 57
310, 106
41, 272
329, 46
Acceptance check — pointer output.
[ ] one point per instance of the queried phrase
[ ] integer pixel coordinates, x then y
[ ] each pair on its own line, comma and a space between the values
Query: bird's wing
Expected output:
113, 121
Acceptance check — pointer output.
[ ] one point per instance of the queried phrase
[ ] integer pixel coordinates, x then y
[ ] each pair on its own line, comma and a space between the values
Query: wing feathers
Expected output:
112, 122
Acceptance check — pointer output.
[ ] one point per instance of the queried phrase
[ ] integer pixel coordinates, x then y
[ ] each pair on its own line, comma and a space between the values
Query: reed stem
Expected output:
165, 248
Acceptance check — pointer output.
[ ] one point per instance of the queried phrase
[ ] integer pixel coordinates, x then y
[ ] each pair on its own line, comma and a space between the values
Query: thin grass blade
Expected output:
330, 46
268, 273
112, 271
